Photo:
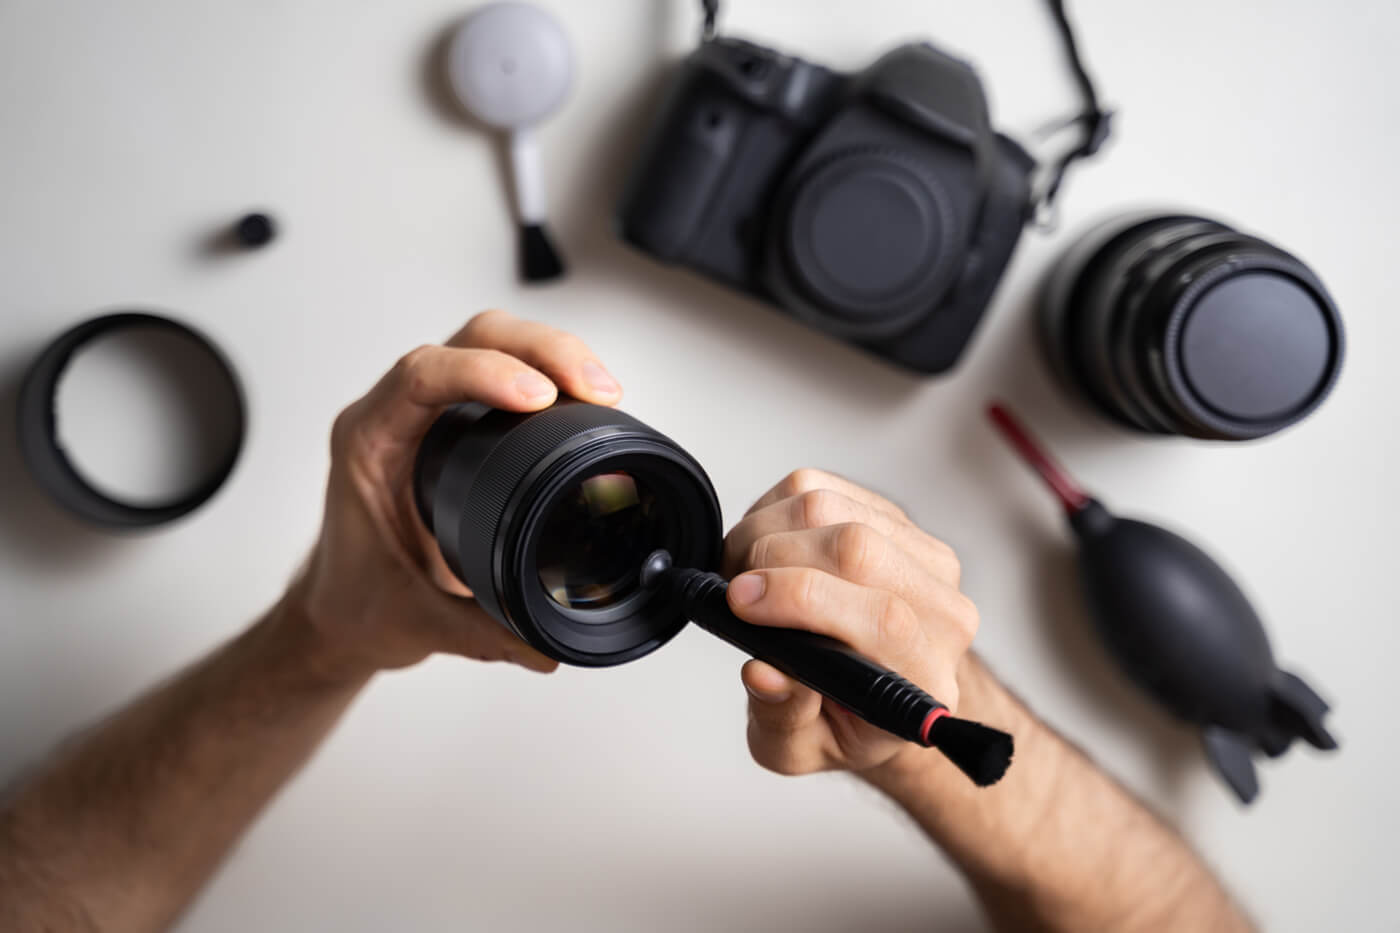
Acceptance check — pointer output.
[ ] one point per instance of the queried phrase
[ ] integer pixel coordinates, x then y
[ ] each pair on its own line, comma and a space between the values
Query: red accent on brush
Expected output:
933, 716
1071, 496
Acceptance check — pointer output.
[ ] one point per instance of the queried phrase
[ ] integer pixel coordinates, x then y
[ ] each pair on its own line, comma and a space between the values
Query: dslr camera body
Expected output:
880, 207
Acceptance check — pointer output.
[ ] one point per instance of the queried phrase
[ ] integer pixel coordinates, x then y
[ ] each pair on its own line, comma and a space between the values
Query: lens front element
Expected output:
592, 545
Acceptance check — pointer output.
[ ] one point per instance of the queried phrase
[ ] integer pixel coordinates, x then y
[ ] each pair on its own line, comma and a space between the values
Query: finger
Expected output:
852, 551
861, 554
767, 684
404, 402
874, 621
807, 479
786, 731
563, 357
820, 508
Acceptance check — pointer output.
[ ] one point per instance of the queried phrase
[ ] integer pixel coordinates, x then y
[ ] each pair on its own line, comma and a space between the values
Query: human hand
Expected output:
376, 590
818, 552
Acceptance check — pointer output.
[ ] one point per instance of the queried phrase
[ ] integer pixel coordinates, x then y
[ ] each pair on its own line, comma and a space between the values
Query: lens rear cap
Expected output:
1257, 350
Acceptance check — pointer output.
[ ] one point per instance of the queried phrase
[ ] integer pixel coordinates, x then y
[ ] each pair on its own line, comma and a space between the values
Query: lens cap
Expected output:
867, 238
1257, 347
1252, 344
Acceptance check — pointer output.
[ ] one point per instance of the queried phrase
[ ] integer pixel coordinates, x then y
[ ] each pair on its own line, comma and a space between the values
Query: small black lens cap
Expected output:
255, 230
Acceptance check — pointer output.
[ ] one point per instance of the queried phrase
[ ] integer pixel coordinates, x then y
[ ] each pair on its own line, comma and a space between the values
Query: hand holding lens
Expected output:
566, 523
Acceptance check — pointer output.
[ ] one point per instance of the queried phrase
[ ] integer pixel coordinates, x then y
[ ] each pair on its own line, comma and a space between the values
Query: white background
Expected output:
129, 132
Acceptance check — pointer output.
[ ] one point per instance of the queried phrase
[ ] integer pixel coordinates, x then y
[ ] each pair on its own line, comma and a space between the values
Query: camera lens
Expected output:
1174, 324
548, 517
592, 545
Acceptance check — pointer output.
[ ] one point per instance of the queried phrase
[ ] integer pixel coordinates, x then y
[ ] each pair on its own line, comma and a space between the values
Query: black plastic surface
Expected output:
1183, 631
1256, 347
866, 228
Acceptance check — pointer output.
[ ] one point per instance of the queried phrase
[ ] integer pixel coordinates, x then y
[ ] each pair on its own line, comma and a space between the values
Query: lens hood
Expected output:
54, 470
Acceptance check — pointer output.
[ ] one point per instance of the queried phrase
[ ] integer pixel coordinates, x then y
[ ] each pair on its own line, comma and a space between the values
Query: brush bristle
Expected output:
539, 261
980, 752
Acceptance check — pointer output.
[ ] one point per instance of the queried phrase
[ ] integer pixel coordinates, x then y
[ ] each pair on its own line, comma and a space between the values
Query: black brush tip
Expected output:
980, 752
539, 260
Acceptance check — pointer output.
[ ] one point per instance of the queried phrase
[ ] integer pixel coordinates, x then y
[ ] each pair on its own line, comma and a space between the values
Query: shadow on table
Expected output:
34, 531
59, 680
867, 899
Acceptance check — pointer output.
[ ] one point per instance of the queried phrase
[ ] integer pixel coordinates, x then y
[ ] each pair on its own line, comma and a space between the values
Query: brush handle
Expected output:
874, 693
528, 176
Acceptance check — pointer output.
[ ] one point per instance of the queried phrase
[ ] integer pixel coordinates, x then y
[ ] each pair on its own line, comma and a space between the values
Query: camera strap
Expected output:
1093, 120
711, 11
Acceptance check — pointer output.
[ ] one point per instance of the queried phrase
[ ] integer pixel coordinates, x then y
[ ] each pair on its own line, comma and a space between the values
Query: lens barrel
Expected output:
1176, 324
501, 490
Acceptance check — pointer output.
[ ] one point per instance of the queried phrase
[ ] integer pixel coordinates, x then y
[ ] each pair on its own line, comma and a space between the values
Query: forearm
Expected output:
122, 828
1057, 845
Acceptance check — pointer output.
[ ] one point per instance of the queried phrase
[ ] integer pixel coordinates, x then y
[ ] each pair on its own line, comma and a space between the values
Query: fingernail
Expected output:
780, 697
597, 377
746, 589
533, 385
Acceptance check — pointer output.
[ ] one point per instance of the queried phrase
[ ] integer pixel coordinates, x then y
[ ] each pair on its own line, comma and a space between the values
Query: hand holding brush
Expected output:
834, 577
857, 684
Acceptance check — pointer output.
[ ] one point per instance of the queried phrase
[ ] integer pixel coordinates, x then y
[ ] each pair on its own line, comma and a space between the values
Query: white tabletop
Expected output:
132, 130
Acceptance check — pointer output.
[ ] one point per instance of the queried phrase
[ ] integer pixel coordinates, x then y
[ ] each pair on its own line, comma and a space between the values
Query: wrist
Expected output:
988, 831
305, 642
925, 770
913, 773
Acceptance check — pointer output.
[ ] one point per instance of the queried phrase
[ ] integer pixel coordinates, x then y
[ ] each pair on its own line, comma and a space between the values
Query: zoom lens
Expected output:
1174, 324
548, 516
